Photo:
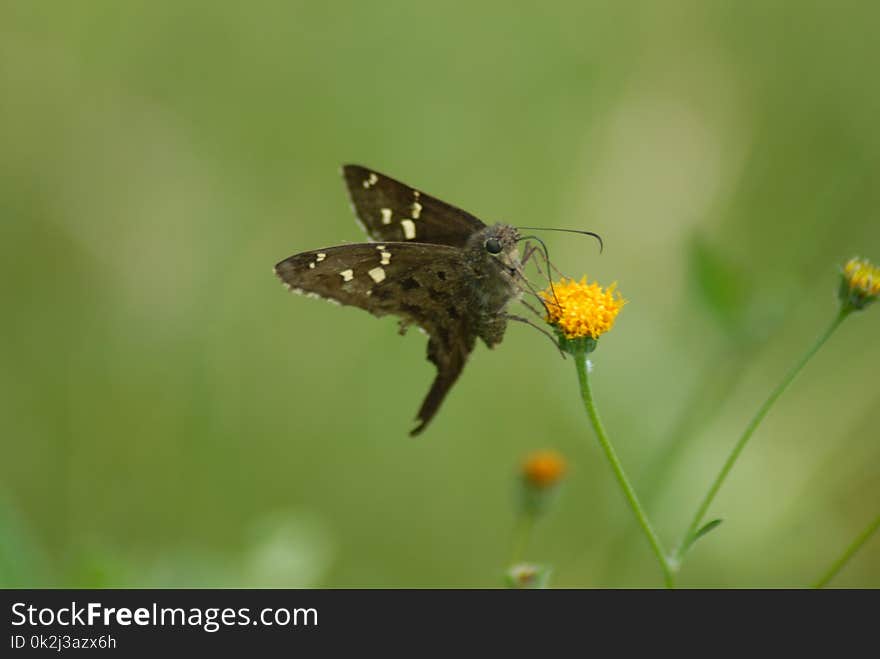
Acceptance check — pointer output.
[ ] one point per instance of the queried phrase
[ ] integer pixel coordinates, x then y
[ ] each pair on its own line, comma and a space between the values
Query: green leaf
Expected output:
706, 528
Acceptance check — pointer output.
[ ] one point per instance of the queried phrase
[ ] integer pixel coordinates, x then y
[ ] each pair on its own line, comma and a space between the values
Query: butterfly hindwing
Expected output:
393, 211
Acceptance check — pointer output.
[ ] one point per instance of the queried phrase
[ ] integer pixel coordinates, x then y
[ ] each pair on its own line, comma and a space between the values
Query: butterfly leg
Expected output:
528, 250
538, 314
532, 309
550, 267
552, 338
525, 286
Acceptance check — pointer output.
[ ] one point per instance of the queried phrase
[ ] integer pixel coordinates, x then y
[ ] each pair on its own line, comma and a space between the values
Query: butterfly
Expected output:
429, 263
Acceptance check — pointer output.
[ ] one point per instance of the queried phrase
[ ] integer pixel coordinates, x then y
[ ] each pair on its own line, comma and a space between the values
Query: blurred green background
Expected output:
171, 416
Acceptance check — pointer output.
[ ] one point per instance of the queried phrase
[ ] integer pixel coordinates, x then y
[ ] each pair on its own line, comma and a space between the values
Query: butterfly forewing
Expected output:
411, 280
393, 211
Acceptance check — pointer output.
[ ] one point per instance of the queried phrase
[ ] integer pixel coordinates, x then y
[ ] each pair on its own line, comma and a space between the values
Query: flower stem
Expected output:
580, 362
521, 535
857, 544
750, 430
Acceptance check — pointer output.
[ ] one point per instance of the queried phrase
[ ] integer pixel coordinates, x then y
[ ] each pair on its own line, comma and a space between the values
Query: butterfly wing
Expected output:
410, 280
393, 211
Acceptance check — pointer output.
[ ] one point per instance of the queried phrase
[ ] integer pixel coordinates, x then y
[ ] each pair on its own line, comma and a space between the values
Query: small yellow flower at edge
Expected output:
860, 283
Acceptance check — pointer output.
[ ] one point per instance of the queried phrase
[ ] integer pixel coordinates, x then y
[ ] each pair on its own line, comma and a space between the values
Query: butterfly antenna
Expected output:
580, 231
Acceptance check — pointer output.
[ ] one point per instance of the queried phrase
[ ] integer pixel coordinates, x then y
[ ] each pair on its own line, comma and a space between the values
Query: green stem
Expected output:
750, 430
849, 553
521, 536
580, 362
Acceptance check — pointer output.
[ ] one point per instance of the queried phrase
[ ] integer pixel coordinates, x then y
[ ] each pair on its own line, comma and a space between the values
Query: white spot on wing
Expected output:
416, 210
371, 181
320, 257
386, 215
347, 275
409, 229
377, 274
312, 265
386, 258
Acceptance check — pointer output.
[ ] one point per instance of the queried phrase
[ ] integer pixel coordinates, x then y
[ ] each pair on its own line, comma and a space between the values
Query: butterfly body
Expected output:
431, 264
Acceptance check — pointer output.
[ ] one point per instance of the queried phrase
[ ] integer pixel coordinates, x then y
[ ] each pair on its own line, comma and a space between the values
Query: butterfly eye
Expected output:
493, 246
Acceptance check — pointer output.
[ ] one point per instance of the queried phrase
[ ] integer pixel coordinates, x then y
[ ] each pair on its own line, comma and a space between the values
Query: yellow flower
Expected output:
860, 283
543, 469
581, 310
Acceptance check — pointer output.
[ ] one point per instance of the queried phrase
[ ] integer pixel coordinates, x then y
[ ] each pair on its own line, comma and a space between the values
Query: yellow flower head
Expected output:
581, 310
543, 469
860, 284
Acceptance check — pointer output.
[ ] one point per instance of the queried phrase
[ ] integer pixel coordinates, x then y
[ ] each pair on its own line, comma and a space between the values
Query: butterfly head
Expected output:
498, 243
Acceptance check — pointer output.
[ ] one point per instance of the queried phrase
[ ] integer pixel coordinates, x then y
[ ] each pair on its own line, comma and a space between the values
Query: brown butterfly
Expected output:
432, 264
